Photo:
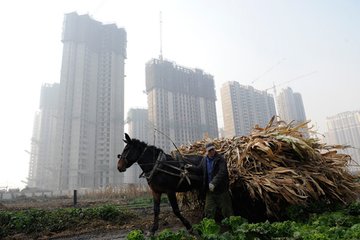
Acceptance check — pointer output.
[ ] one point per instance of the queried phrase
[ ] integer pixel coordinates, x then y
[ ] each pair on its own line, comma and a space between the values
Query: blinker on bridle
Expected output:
124, 158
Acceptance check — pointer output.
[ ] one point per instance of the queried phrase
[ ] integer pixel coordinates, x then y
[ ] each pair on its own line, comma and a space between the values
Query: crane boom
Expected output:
268, 70
293, 79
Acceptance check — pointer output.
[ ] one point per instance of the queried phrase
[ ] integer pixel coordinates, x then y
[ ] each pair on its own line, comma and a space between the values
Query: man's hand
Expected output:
211, 187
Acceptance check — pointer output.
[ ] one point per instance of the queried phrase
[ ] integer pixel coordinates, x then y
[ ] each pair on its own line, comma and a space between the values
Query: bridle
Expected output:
124, 156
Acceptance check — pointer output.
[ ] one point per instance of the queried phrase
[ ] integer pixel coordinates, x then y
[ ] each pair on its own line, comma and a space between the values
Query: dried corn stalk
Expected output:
277, 164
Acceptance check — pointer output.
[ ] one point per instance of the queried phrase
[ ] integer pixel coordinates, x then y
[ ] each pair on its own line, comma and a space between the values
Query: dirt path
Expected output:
143, 221
97, 234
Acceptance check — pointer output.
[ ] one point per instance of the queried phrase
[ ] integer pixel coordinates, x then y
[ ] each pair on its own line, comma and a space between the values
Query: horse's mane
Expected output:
144, 145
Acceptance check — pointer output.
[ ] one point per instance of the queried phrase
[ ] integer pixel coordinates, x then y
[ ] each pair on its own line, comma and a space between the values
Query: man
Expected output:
216, 183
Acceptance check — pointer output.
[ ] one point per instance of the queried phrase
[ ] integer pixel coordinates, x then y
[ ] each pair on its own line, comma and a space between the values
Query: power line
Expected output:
293, 79
98, 7
268, 70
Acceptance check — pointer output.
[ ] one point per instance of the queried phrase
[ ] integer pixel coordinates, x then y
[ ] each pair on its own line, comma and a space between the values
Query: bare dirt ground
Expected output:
143, 222
102, 230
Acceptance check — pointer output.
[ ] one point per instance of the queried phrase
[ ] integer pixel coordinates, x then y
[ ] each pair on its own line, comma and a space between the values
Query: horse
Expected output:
163, 173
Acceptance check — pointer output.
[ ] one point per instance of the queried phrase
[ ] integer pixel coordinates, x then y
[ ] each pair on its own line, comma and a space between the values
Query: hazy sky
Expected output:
254, 42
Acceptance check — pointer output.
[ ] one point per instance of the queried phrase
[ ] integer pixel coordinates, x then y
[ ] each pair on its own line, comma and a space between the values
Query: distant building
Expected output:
221, 133
138, 124
290, 106
181, 103
344, 129
43, 169
245, 107
138, 127
47, 168
90, 125
34, 150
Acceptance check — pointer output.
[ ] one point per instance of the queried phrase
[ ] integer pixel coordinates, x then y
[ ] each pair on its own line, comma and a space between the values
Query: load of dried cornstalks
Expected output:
278, 165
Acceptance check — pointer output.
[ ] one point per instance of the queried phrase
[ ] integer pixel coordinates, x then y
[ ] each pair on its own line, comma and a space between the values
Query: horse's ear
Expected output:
127, 138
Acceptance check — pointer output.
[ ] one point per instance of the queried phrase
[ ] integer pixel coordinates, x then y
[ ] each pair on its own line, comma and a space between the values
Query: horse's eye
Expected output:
119, 156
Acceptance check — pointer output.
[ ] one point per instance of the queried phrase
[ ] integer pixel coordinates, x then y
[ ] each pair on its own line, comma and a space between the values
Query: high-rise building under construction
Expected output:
181, 103
43, 171
90, 121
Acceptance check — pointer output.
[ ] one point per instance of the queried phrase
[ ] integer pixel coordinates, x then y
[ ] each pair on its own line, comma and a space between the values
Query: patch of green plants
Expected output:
303, 213
147, 201
167, 234
354, 209
208, 228
141, 200
135, 235
37, 221
339, 224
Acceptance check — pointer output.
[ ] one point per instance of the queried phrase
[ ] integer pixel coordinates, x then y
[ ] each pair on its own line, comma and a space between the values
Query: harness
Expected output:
159, 167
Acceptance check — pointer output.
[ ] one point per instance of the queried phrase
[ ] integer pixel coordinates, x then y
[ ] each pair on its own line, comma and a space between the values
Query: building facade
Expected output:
138, 124
34, 149
181, 103
344, 129
43, 170
47, 169
290, 106
244, 107
90, 125
138, 127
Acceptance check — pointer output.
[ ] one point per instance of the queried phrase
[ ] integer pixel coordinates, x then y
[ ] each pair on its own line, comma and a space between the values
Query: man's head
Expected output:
210, 149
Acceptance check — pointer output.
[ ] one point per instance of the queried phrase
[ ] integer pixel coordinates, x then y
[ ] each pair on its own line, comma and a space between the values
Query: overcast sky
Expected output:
254, 42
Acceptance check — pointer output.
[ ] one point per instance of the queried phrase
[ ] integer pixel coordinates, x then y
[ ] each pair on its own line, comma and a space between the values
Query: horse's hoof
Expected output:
150, 234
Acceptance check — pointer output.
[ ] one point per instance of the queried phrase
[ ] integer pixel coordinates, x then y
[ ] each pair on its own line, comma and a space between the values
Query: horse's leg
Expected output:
176, 210
157, 198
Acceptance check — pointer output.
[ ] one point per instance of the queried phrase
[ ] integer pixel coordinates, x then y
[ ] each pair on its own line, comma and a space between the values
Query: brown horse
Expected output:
163, 173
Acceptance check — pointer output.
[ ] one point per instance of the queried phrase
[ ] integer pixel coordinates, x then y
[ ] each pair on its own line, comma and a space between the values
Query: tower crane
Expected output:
293, 79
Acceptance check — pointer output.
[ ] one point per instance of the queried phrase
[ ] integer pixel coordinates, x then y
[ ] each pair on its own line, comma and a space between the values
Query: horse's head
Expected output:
129, 155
